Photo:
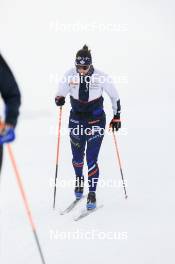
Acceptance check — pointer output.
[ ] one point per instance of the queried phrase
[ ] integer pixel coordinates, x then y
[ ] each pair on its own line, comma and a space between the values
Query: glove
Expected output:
7, 135
60, 100
115, 123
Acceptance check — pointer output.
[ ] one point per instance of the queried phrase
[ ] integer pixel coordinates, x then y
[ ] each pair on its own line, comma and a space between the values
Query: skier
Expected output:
11, 96
85, 84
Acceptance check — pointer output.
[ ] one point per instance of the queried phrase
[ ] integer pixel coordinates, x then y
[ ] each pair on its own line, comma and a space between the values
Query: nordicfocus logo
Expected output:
89, 131
57, 26
79, 130
102, 183
93, 234
94, 79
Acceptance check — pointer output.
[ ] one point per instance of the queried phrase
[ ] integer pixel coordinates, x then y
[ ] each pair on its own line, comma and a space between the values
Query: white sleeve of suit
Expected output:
110, 88
63, 86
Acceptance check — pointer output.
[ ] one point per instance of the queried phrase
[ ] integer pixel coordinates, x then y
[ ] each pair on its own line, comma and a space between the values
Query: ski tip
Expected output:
61, 212
86, 212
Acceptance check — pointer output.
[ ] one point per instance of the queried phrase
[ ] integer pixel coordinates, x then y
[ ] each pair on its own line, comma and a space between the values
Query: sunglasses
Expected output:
85, 67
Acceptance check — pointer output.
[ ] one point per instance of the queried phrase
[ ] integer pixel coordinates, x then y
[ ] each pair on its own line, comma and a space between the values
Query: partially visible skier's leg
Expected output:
93, 147
78, 143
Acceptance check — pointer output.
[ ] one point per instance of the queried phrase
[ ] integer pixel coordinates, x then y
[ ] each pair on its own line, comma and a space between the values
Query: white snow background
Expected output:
39, 40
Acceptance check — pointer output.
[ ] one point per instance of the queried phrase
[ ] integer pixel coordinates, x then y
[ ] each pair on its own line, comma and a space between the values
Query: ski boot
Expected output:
79, 187
91, 201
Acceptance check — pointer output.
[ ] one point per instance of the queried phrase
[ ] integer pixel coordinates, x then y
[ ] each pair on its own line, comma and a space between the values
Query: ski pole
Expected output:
26, 204
119, 161
57, 154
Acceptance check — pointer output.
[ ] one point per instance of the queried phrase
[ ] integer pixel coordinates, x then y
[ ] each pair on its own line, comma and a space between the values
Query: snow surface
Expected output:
144, 55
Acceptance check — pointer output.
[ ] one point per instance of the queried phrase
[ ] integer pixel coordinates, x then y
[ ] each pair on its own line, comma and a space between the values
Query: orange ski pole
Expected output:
26, 204
119, 161
57, 155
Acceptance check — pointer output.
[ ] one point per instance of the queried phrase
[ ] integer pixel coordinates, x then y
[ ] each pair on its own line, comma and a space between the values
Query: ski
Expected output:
86, 212
71, 206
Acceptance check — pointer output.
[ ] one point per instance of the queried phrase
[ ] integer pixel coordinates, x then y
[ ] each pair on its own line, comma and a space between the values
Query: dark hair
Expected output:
84, 52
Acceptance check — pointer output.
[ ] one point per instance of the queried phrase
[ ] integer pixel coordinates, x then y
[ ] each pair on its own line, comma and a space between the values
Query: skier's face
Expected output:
83, 70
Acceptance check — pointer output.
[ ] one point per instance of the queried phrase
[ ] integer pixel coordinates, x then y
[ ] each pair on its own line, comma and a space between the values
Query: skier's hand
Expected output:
60, 100
7, 133
115, 123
